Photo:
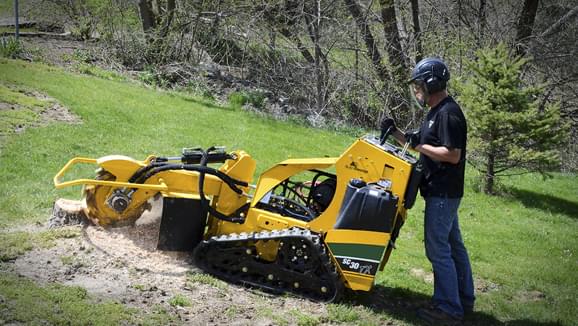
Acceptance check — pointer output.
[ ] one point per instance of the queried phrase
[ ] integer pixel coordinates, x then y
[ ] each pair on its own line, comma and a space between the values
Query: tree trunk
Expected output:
525, 25
147, 17
489, 177
300, 46
399, 96
372, 50
313, 24
416, 30
319, 56
393, 46
168, 19
482, 22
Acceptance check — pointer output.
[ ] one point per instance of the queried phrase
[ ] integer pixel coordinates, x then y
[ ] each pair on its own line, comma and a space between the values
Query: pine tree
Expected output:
509, 129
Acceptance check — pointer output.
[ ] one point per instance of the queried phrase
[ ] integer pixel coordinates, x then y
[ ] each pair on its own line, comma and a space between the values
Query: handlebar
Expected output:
59, 184
385, 134
390, 148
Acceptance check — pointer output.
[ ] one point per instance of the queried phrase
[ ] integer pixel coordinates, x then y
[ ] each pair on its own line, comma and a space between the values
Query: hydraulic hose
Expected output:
136, 176
234, 218
232, 183
161, 161
161, 164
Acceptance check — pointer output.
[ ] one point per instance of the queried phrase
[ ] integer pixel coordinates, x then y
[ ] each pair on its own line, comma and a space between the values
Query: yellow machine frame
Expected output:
355, 253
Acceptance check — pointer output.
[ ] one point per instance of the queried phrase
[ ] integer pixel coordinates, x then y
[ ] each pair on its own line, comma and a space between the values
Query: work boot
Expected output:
436, 316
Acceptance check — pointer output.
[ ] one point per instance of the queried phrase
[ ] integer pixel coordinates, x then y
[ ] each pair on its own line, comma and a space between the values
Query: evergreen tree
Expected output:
509, 129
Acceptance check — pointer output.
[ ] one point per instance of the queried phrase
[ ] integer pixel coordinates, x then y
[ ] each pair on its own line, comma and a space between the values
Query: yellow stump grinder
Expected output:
310, 227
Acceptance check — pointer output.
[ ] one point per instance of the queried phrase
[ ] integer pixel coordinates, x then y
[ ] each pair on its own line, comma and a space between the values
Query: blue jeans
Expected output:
444, 247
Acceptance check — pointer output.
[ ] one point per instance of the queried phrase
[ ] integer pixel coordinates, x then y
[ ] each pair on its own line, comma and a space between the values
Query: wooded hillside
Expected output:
329, 61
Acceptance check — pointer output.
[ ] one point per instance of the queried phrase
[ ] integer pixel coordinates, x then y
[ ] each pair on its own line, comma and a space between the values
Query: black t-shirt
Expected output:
445, 125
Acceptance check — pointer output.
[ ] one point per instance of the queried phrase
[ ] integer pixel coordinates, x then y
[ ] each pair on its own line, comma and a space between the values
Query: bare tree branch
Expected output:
556, 26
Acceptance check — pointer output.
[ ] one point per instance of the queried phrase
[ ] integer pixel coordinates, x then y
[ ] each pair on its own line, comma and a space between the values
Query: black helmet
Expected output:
433, 72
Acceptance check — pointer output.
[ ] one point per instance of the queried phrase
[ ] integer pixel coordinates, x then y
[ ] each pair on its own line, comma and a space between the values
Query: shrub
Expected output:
10, 48
254, 98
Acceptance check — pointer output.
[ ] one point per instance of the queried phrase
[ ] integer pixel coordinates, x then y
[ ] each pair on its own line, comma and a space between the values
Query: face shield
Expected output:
419, 93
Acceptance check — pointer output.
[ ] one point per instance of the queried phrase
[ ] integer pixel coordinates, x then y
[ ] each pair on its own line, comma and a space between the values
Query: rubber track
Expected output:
305, 272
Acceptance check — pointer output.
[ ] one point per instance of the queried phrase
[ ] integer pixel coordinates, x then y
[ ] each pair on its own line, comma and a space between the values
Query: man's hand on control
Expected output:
387, 127
388, 124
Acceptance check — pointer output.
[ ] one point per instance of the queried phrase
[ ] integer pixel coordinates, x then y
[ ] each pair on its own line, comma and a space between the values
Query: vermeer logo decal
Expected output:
354, 166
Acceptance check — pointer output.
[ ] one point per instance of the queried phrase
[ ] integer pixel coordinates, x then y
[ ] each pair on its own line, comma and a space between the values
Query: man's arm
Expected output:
440, 153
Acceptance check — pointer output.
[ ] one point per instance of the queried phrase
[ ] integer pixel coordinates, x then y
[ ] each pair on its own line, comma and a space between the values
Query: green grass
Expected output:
14, 244
179, 301
340, 313
304, 319
21, 109
92, 70
272, 313
523, 244
255, 98
24, 302
202, 278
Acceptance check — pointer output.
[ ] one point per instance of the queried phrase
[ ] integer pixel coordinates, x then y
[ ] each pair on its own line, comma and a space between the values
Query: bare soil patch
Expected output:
51, 111
58, 113
530, 296
481, 285
122, 264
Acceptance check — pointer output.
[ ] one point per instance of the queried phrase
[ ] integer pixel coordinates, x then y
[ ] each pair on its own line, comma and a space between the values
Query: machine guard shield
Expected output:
182, 224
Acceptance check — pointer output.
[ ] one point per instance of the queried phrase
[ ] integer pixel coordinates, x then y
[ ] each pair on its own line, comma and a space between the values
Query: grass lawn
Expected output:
523, 244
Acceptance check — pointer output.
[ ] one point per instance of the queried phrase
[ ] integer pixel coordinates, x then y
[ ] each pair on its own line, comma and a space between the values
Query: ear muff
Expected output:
434, 84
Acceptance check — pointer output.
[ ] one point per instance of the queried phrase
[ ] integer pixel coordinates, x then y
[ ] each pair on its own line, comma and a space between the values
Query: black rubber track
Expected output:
302, 266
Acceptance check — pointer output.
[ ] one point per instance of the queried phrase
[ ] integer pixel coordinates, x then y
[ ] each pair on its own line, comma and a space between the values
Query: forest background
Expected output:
340, 64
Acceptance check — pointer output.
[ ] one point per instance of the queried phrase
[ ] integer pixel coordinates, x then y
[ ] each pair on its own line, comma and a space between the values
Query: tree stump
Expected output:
67, 212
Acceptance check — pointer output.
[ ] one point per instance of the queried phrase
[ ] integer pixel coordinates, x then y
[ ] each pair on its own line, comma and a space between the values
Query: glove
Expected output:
386, 124
413, 138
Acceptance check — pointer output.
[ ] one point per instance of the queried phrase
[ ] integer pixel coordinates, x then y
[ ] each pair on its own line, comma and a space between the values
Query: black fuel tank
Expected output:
367, 207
